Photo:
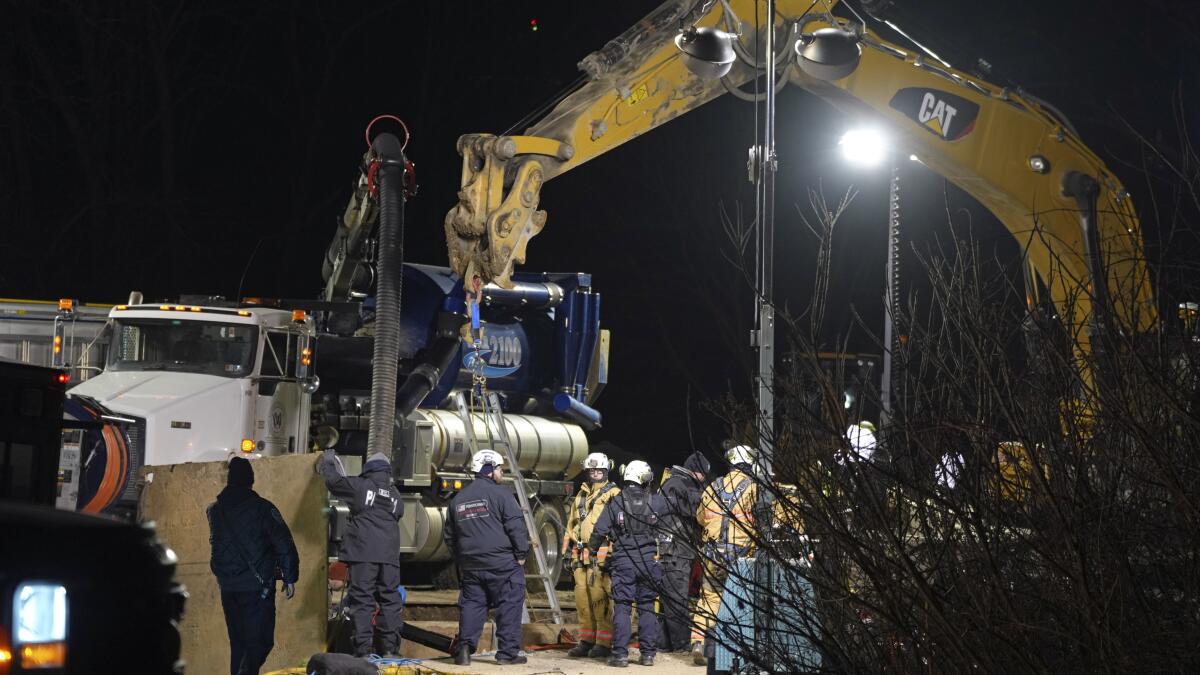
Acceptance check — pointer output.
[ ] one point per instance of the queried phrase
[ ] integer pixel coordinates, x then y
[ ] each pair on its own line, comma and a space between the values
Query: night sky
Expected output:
208, 147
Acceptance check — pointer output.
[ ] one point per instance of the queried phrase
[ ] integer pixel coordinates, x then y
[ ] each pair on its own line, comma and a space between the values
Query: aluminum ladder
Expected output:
493, 417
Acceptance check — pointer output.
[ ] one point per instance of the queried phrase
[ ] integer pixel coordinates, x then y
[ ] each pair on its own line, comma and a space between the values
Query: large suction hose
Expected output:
425, 376
390, 177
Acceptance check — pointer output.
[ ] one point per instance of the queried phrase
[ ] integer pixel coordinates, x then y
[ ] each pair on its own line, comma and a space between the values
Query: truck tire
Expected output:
547, 525
548, 528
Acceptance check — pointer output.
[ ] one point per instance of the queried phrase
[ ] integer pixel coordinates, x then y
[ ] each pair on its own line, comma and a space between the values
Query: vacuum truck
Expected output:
202, 379
202, 382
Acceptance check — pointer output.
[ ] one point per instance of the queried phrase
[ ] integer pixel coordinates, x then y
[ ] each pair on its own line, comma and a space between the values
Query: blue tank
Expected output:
539, 340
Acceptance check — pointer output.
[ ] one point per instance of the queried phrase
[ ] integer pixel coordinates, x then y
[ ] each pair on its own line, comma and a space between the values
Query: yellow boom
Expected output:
1005, 149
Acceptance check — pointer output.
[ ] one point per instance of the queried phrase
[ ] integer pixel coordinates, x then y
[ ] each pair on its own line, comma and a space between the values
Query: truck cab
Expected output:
199, 384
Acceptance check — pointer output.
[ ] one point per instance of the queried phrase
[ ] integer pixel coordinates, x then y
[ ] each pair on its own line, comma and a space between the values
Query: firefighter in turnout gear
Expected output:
486, 534
630, 521
593, 596
726, 518
370, 548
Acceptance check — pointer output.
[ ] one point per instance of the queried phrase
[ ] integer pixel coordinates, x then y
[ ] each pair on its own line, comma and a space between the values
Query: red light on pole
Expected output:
533, 25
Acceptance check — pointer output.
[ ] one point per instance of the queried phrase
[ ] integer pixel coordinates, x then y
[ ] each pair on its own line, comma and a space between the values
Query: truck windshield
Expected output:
223, 349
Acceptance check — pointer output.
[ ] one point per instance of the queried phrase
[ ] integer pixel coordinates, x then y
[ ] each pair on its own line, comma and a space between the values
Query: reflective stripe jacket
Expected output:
375, 508
592, 498
634, 533
737, 520
485, 529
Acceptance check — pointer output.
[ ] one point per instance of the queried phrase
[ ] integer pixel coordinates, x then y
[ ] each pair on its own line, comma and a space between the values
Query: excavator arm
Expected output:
1075, 222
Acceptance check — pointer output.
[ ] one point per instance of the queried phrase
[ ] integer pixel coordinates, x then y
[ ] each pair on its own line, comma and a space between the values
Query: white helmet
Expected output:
639, 472
740, 454
597, 460
862, 442
484, 457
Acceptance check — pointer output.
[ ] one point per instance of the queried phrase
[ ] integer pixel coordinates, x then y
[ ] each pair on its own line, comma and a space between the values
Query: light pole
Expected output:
829, 53
869, 147
765, 180
891, 297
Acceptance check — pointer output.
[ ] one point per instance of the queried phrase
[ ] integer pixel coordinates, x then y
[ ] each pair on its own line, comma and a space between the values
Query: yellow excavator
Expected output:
1012, 152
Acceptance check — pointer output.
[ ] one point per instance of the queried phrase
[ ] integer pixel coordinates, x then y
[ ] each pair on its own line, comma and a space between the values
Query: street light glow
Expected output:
866, 147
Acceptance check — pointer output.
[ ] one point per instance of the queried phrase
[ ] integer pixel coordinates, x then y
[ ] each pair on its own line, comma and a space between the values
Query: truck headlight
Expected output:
40, 625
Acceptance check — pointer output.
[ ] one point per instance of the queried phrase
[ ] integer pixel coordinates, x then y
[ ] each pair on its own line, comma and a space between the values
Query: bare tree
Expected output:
1030, 508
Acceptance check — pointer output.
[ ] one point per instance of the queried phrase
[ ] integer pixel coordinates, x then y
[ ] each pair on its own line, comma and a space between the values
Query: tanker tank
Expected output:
540, 339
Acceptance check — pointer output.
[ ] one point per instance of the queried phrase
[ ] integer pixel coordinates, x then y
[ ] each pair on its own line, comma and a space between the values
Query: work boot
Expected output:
618, 662
646, 660
462, 655
698, 656
514, 661
600, 652
580, 650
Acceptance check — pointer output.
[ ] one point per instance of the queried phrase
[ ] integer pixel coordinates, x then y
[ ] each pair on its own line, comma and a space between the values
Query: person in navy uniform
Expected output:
485, 532
630, 521
251, 546
370, 548
679, 537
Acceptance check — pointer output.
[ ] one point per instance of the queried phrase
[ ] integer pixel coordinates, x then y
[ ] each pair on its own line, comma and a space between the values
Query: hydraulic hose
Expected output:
390, 176
1086, 191
425, 377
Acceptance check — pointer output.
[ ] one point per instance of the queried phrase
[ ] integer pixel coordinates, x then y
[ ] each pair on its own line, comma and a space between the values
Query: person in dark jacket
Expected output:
251, 547
680, 539
370, 548
485, 532
630, 521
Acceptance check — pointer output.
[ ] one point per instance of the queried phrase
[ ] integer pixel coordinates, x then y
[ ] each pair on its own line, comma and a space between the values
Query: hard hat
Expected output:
740, 454
638, 471
862, 442
485, 457
948, 469
597, 460
868, 425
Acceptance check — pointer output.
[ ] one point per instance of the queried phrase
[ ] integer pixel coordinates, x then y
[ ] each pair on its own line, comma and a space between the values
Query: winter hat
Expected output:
377, 460
698, 463
241, 474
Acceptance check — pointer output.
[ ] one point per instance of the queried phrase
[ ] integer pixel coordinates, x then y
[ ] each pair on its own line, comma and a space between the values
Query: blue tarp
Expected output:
778, 633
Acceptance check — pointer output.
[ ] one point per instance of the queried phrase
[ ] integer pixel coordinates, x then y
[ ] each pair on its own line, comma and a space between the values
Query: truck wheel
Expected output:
549, 530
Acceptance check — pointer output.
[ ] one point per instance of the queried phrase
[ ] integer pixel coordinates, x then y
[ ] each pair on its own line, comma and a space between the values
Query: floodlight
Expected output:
707, 52
828, 53
866, 147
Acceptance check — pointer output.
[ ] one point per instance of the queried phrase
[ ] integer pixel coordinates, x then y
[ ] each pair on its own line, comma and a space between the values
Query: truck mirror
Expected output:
310, 385
325, 437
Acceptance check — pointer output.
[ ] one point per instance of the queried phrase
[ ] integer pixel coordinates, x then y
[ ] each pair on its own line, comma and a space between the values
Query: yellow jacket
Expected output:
713, 512
591, 500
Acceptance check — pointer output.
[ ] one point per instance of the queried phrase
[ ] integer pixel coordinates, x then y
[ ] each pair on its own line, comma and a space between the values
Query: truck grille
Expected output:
137, 453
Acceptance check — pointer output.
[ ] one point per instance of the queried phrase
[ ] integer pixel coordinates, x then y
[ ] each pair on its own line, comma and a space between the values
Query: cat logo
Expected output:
938, 112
